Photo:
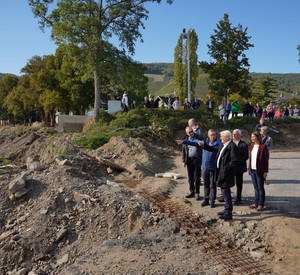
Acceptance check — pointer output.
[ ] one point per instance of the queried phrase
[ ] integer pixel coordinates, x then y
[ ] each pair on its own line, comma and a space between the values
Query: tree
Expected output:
7, 83
90, 24
181, 64
229, 73
298, 47
265, 89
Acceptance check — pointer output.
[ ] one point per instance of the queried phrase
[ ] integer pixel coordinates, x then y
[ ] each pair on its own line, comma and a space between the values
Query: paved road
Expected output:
283, 191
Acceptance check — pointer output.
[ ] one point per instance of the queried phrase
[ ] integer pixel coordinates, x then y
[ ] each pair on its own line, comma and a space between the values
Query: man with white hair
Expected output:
226, 162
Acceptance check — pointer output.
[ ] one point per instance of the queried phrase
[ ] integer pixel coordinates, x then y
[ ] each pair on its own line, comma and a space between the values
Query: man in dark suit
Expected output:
226, 163
192, 158
241, 167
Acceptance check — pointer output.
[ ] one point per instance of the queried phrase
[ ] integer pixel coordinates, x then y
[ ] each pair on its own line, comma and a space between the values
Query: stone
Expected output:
61, 233
63, 260
34, 166
21, 193
18, 183
256, 254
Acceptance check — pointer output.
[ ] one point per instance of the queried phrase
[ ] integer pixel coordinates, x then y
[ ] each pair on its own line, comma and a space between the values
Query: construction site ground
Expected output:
80, 217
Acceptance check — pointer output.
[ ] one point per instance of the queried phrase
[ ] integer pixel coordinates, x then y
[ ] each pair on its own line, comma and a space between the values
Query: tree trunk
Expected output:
97, 92
225, 114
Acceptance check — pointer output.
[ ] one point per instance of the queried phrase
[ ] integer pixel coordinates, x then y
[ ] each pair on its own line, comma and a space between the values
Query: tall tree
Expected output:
7, 83
229, 72
181, 63
265, 89
90, 24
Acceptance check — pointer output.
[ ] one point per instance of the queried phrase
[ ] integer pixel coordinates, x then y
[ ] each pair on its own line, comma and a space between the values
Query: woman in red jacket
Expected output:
258, 169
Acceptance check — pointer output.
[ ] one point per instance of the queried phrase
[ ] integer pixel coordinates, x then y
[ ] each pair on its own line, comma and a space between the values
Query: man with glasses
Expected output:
209, 169
241, 167
191, 158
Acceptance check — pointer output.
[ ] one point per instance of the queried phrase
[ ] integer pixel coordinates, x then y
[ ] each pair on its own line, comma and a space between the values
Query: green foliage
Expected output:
92, 142
230, 71
160, 124
181, 64
265, 89
91, 24
20, 132
7, 83
294, 101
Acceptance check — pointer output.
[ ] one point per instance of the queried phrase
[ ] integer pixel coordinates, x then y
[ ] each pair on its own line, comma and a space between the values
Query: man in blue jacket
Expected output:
209, 165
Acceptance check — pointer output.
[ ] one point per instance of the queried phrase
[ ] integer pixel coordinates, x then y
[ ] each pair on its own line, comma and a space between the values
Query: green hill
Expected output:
161, 82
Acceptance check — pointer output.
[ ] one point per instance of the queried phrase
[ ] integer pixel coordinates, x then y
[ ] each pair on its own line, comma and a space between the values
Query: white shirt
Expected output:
224, 146
254, 156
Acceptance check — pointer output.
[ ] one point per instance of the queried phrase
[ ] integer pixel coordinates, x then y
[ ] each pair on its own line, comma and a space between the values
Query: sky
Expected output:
274, 26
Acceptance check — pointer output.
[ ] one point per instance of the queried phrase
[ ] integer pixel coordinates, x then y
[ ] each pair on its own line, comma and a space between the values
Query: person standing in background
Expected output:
235, 108
222, 110
125, 102
210, 104
228, 108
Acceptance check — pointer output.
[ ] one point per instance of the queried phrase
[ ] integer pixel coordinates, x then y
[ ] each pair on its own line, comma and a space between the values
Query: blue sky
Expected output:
273, 24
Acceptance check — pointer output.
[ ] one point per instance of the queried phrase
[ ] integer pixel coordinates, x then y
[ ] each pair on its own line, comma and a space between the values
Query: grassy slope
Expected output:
165, 88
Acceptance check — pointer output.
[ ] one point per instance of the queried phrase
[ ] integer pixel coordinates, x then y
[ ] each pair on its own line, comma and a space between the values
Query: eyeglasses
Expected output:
190, 132
235, 134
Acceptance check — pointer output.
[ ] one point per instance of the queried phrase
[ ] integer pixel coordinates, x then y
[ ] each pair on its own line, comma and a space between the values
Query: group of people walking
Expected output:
222, 164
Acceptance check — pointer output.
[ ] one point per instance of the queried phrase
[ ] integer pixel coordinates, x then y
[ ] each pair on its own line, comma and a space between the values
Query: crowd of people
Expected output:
271, 112
223, 163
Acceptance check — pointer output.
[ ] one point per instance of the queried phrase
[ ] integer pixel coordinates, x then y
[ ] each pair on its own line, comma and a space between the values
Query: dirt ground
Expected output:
76, 217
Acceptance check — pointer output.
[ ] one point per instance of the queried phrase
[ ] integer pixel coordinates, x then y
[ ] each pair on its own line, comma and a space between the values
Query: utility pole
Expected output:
186, 36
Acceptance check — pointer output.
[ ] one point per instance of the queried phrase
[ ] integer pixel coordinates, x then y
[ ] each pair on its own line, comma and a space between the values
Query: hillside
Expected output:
287, 83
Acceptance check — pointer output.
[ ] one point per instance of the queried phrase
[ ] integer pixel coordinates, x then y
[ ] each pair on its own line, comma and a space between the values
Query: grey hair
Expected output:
237, 130
265, 128
226, 133
192, 120
188, 128
211, 130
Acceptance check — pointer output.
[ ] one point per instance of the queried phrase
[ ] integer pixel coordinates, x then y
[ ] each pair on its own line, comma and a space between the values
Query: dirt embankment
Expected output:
76, 216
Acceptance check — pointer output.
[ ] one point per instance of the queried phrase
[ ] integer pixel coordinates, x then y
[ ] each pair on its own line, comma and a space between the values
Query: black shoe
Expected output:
221, 213
237, 202
226, 217
191, 195
197, 197
221, 199
204, 203
212, 204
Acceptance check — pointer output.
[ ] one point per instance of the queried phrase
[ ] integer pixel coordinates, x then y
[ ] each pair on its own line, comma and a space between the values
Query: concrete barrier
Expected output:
70, 123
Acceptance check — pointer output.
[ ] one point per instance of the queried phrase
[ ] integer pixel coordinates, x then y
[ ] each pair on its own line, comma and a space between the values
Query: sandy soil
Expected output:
78, 218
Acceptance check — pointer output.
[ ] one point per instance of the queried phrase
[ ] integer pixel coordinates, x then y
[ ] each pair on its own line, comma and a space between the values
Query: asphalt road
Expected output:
283, 189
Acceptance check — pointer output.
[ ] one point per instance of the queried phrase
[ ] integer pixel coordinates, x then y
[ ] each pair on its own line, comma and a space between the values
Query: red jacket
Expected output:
262, 161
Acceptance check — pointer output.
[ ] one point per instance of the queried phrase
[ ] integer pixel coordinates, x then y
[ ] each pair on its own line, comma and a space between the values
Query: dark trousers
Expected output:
271, 116
259, 189
194, 174
234, 114
239, 185
226, 192
227, 114
210, 189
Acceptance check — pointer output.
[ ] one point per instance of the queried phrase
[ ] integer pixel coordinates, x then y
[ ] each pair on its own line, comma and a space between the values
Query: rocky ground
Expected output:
63, 212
